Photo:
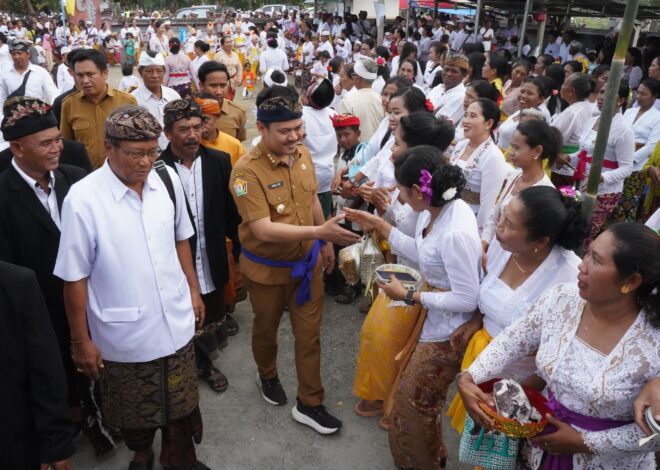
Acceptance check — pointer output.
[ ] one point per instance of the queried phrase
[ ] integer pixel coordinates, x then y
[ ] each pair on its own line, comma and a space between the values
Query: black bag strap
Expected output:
161, 170
20, 91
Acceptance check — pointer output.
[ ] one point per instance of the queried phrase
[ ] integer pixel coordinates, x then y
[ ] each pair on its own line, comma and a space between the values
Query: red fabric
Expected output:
583, 159
345, 120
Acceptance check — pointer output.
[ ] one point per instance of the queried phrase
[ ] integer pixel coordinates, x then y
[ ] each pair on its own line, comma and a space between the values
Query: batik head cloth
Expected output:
132, 123
24, 115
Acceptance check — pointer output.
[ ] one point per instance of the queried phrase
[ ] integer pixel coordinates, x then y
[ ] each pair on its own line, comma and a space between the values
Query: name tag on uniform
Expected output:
279, 184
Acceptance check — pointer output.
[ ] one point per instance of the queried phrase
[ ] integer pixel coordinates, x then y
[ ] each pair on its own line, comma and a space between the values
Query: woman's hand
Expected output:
393, 289
648, 397
462, 335
336, 183
472, 396
366, 191
346, 189
381, 198
564, 441
367, 221
654, 174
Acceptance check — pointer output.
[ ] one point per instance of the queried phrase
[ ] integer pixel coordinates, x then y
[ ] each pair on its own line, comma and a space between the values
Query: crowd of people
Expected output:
133, 219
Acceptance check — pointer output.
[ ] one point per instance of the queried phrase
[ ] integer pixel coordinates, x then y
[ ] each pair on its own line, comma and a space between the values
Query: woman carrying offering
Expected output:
597, 344
532, 253
447, 249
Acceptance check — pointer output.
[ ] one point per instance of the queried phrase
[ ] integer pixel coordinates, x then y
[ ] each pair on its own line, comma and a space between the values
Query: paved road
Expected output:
242, 432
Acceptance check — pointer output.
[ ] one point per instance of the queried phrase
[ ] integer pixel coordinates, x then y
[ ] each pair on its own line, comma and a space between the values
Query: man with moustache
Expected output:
131, 293
204, 174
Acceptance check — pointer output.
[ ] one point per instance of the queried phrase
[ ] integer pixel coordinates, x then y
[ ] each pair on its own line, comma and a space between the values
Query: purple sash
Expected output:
302, 269
588, 423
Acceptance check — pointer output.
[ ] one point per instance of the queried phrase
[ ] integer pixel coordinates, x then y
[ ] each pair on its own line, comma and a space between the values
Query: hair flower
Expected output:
425, 185
570, 192
380, 61
328, 68
449, 194
429, 106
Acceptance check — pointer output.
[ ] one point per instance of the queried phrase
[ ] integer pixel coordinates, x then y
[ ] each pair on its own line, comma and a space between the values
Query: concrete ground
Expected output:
242, 432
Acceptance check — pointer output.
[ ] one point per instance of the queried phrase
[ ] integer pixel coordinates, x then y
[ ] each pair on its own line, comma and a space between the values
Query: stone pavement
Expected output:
242, 432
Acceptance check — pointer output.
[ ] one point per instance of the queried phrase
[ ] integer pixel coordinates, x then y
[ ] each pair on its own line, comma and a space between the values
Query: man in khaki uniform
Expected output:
214, 80
274, 186
85, 111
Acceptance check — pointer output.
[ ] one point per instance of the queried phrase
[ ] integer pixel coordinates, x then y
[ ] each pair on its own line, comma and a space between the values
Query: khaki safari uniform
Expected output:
232, 120
263, 187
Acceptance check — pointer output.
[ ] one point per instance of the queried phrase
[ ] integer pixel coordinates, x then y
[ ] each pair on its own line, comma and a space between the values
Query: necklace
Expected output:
513, 257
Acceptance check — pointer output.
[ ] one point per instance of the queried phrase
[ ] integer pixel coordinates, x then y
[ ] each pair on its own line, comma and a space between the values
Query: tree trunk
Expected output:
606, 115
28, 7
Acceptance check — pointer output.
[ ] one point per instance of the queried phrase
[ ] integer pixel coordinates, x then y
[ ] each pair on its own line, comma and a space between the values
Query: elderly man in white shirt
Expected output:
131, 292
25, 78
365, 103
152, 95
447, 98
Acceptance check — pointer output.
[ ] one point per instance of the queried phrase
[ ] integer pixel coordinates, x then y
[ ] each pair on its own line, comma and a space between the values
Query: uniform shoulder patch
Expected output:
240, 187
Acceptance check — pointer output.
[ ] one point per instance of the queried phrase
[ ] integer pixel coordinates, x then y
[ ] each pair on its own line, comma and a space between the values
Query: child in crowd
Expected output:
249, 79
129, 50
129, 82
320, 68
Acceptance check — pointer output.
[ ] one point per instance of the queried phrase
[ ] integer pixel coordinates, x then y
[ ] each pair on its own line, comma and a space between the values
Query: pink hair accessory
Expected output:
425, 185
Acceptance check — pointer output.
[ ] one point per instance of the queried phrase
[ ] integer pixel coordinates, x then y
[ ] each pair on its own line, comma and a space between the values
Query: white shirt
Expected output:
195, 65
273, 58
430, 73
326, 46
487, 32
321, 141
367, 105
47, 199
5, 59
39, 83
485, 171
553, 48
448, 103
139, 307
449, 258
155, 106
507, 128
191, 180
620, 149
64, 79
647, 132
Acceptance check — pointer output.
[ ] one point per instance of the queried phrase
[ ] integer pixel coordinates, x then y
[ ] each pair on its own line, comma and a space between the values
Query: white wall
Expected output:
391, 8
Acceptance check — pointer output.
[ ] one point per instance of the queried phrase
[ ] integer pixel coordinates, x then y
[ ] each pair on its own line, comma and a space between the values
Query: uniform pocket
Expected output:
120, 315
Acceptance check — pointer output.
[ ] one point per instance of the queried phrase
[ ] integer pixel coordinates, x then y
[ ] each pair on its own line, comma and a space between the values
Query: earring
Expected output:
625, 290
419, 198
536, 250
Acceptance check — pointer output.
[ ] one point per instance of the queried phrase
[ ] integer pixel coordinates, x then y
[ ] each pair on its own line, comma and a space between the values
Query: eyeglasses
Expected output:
137, 155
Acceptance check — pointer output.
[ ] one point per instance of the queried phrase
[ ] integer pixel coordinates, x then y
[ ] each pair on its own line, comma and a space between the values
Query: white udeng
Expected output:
581, 378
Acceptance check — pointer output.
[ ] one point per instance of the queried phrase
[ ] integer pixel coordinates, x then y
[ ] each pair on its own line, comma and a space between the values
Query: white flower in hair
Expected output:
449, 194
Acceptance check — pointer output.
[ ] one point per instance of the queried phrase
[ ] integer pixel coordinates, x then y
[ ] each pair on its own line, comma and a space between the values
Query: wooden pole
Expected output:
477, 22
606, 115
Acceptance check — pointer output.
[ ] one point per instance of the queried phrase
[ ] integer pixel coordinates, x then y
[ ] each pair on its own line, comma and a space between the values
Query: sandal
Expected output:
216, 379
366, 413
385, 423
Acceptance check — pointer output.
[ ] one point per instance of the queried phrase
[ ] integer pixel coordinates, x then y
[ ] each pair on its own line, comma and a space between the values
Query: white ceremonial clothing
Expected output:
367, 105
321, 141
39, 83
64, 79
647, 132
373, 165
430, 73
193, 187
620, 149
156, 106
485, 172
326, 46
571, 123
506, 129
449, 258
273, 58
139, 306
195, 65
503, 199
6, 61
47, 199
580, 377
501, 305
448, 103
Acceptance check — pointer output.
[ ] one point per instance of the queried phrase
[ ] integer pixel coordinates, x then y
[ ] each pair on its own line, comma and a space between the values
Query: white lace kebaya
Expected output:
581, 378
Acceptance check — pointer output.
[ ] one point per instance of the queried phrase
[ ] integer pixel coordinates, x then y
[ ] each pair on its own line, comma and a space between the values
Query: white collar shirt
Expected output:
321, 141
39, 84
48, 199
155, 106
191, 180
647, 134
273, 58
449, 258
139, 307
448, 103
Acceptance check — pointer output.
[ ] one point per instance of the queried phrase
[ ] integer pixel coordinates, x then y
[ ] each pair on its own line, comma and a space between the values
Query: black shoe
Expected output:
272, 391
332, 290
349, 295
316, 417
232, 326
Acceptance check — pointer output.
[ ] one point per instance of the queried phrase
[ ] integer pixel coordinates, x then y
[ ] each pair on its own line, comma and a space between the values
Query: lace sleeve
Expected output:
617, 441
488, 232
517, 341
403, 245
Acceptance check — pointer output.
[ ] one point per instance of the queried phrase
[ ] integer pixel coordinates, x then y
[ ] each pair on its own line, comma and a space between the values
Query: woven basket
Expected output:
514, 428
488, 450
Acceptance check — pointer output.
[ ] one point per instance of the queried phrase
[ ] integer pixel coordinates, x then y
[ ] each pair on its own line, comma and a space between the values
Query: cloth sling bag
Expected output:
20, 91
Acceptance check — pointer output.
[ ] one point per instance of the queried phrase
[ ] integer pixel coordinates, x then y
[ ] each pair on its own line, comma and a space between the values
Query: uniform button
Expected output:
293, 187
279, 198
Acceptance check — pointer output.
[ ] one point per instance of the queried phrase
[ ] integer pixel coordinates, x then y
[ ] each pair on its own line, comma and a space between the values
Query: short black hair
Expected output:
95, 56
210, 67
203, 46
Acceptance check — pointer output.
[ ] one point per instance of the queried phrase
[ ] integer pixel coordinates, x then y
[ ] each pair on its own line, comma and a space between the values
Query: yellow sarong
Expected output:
384, 334
478, 343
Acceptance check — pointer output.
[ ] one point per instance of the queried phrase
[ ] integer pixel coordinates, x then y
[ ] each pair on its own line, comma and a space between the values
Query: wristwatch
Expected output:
409, 300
